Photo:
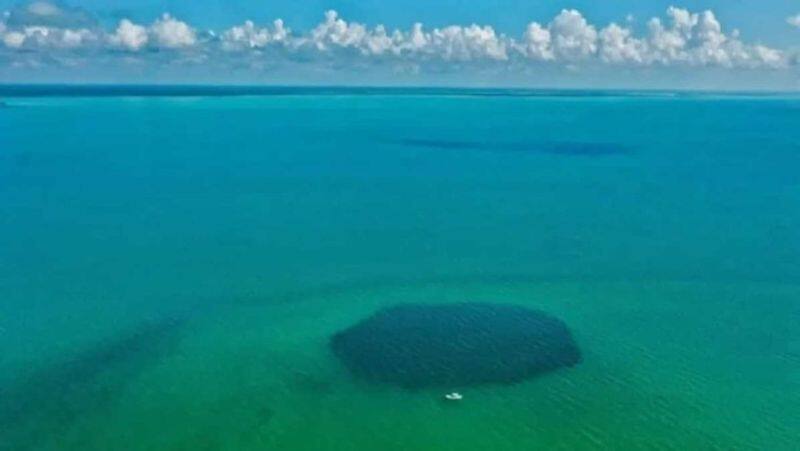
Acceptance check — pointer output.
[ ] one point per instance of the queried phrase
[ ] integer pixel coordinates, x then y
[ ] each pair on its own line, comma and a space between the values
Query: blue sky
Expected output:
764, 20
705, 44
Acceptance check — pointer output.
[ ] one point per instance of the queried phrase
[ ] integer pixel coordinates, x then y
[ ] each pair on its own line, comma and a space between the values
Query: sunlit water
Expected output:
172, 268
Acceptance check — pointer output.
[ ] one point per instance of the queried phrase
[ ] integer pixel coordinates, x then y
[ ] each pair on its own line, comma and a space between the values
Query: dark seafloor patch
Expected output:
42, 405
573, 148
455, 345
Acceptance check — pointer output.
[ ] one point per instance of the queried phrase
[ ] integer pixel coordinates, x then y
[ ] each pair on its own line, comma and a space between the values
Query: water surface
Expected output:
172, 267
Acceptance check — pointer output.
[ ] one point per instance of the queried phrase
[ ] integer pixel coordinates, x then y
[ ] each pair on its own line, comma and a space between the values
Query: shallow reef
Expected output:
455, 345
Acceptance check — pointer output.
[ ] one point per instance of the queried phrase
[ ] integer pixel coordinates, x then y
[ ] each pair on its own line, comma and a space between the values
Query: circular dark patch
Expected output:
455, 345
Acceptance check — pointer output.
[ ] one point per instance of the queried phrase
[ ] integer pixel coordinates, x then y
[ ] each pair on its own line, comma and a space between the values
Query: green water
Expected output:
171, 268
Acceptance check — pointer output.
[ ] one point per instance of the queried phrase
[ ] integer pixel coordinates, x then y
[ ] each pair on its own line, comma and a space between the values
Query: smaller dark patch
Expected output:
45, 402
455, 345
575, 148
264, 415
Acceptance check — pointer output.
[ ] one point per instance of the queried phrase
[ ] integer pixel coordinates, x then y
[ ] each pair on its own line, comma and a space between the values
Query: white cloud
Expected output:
770, 57
452, 43
14, 39
617, 45
573, 37
129, 36
468, 43
682, 38
248, 36
794, 21
171, 33
537, 43
47, 37
76, 38
698, 39
335, 32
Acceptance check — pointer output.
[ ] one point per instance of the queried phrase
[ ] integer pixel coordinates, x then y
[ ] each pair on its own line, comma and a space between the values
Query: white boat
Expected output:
455, 396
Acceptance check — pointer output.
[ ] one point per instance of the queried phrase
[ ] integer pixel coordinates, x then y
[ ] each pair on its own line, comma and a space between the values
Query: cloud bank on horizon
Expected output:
45, 34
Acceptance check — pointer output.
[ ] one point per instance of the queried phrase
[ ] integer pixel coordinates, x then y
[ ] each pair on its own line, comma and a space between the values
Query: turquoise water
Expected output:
171, 268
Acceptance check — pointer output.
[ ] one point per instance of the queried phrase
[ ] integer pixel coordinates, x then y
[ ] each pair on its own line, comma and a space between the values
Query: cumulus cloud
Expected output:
618, 45
537, 43
468, 43
452, 43
248, 36
44, 37
129, 36
698, 39
165, 33
794, 21
681, 38
335, 32
171, 33
573, 37
14, 39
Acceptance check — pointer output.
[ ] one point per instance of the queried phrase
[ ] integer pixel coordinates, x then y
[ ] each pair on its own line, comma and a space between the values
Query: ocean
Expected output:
174, 262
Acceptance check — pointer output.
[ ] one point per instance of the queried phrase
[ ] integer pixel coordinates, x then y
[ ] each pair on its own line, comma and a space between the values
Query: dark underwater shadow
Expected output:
568, 148
37, 408
417, 346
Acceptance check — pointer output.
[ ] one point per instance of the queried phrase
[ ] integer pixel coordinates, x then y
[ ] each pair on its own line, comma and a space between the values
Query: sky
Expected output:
713, 44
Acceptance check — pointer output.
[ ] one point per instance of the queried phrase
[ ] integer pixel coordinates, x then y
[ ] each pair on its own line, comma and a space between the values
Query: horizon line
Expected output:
158, 89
